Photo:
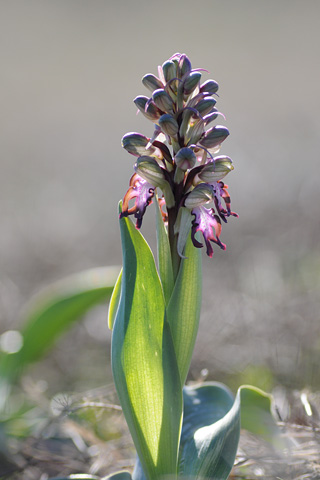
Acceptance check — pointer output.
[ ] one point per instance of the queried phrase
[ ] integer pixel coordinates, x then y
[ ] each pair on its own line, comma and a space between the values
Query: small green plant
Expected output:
178, 431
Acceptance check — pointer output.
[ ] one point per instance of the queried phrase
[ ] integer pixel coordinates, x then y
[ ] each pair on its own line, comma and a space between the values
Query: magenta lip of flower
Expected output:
209, 225
143, 193
178, 158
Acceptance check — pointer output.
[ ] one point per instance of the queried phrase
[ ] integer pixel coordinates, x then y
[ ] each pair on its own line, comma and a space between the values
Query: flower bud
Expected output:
163, 100
214, 136
151, 82
205, 105
149, 170
210, 86
200, 195
152, 112
211, 116
191, 82
169, 69
216, 170
141, 102
147, 108
169, 124
184, 65
135, 143
185, 159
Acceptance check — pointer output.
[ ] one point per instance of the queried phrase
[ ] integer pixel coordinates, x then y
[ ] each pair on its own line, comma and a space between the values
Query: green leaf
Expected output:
210, 432
211, 427
53, 311
114, 301
183, 312
143, 359
164, 255
256, 416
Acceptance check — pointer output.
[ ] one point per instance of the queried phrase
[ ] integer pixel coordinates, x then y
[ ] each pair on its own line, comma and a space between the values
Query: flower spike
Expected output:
178, 158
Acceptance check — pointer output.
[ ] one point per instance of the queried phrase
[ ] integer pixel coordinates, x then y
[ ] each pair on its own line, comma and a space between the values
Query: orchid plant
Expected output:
178, 431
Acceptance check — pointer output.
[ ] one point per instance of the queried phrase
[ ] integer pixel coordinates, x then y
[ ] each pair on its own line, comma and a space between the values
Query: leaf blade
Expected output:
114, 301
54, 310
211, 427
256, 415
183, 311
141, 349
210, 432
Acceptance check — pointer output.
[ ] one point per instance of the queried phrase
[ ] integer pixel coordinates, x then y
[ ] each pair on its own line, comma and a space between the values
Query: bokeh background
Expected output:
69, 72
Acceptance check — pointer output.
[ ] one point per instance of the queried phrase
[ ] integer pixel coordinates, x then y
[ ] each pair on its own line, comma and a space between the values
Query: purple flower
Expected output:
209, 225
142, 192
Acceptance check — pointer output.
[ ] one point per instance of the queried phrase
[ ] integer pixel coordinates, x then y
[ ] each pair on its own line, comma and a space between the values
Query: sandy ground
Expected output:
69, 72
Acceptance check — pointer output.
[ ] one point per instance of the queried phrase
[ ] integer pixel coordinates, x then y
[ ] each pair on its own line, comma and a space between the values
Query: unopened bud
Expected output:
151, 82
210, 86
169, 69
163, 100
214, 136
206, 105
200, 195
140, 102
135, 143
211, 116
191, 82
169, 124
216, 170
185, 159
149, 170
184, 65
153, 112
147, 108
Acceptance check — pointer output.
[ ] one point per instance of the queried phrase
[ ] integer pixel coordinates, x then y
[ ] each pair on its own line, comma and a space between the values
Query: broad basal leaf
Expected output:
256, 416
211, 427
210, 432
143, 359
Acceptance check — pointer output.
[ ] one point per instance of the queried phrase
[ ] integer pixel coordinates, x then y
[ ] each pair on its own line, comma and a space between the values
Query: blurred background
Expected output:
69, 72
